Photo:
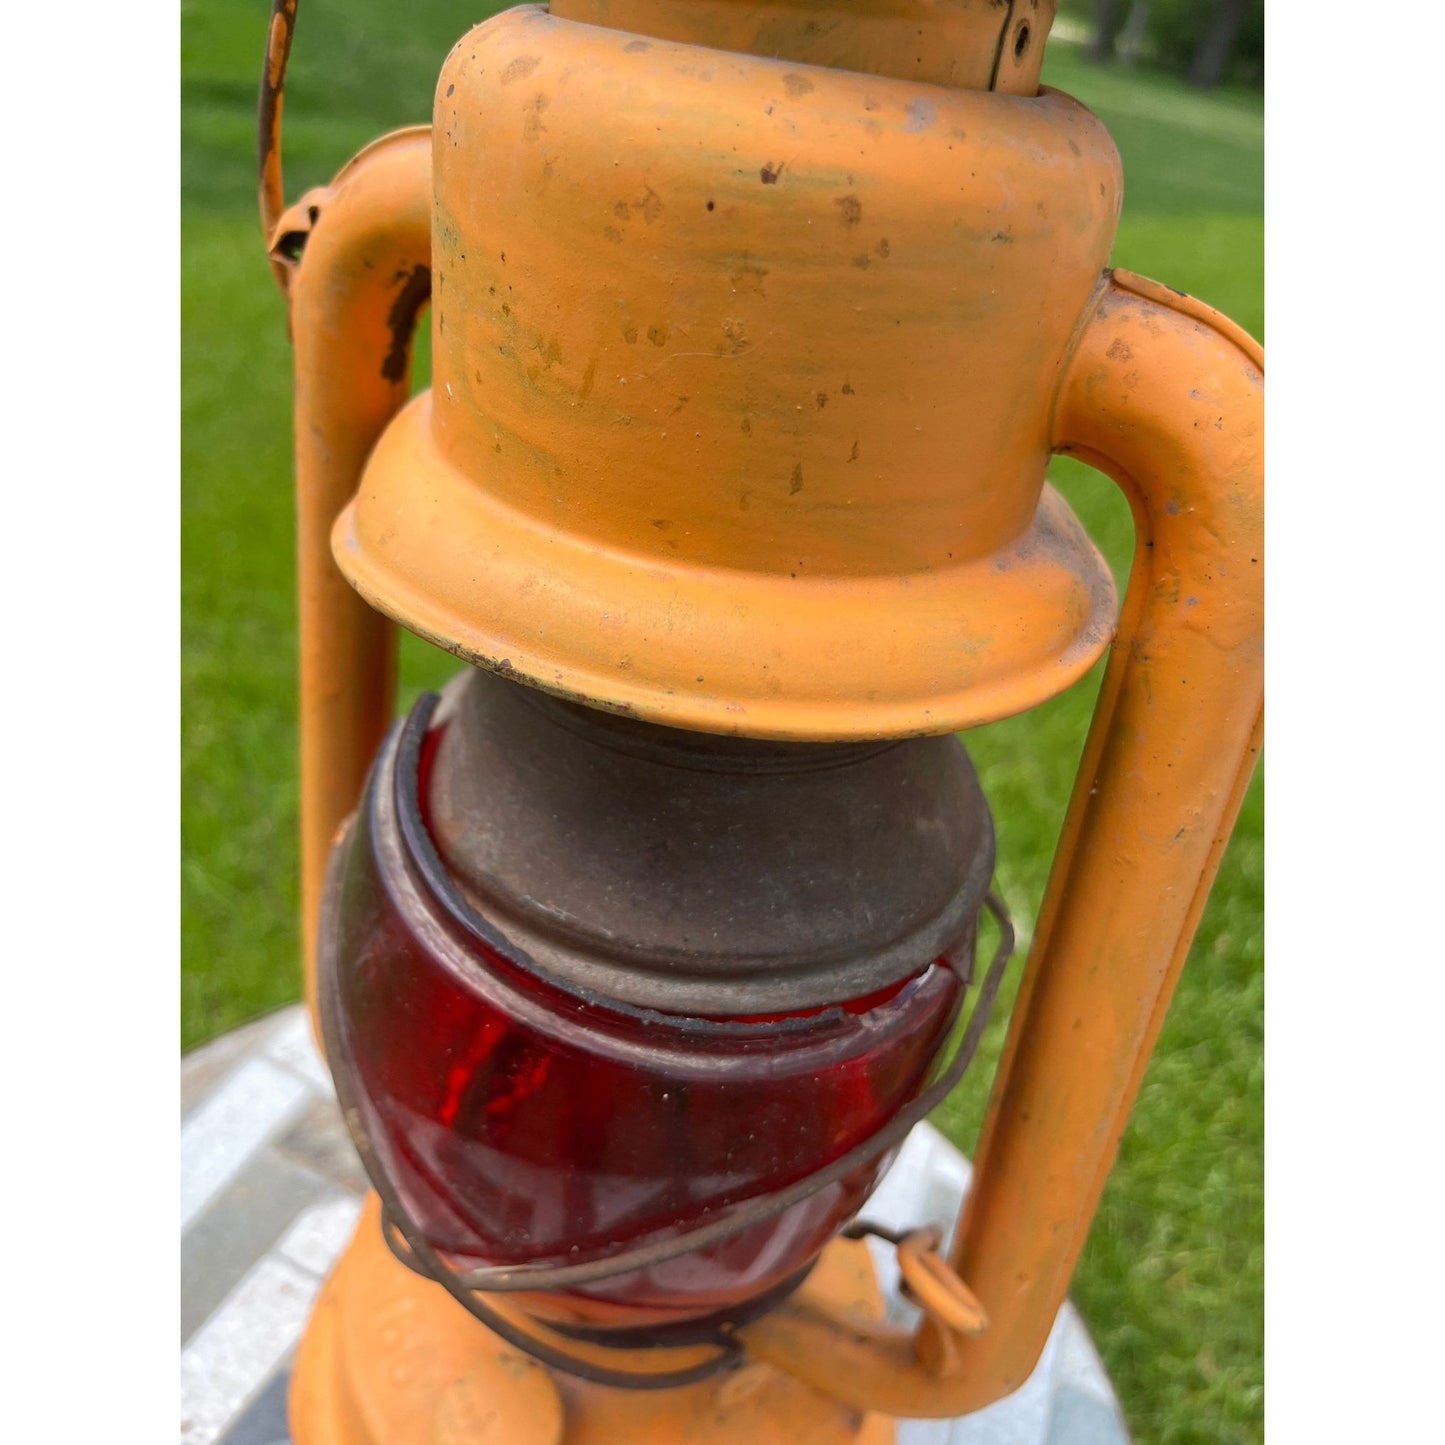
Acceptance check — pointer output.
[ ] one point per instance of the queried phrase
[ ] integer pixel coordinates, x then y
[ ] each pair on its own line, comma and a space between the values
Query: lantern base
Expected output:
388, 1358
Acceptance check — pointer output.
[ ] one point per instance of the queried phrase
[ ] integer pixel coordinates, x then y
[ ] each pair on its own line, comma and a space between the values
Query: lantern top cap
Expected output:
750, 654
966, 44
742, 381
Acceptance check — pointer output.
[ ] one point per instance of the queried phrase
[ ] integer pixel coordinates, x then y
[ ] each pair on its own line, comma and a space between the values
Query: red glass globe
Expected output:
521, 1119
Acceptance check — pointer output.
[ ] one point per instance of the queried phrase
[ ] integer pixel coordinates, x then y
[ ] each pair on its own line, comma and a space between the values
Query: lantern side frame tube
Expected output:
1165, 397
362, 281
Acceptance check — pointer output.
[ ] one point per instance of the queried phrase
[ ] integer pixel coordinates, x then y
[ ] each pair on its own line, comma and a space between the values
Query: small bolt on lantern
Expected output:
636, 953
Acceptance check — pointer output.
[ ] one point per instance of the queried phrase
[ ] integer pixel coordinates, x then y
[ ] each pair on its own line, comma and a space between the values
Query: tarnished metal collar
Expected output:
719, 876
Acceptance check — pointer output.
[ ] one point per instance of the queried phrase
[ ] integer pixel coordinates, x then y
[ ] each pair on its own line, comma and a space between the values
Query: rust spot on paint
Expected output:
771, 172
862, 262
636, 47
821, 399
882, 248
622, 210
520, 68
797, 85
749, 278
629, 335
657, 335
853, 455
795, 482
589, 376
922, 115
847, 388
735, 336
401, 320
551, 351
850, 210
612, 234
1119, 350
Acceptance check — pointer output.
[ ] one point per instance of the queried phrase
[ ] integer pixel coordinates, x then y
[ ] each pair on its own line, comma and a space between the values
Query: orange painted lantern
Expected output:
636, 952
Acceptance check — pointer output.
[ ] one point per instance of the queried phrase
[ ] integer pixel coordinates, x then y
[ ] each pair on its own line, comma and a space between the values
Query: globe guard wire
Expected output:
409, 1245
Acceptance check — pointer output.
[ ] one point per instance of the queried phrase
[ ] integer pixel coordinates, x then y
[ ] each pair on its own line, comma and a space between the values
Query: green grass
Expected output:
1172, 1279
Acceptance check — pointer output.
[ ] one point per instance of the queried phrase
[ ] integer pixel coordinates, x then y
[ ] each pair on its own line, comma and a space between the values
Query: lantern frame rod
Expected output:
1165, 397
360, 250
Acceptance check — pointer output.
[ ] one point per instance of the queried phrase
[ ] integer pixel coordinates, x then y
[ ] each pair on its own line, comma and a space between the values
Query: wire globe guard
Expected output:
392, 791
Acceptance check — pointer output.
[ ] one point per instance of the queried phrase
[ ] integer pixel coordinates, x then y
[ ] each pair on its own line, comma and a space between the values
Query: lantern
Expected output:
637, 951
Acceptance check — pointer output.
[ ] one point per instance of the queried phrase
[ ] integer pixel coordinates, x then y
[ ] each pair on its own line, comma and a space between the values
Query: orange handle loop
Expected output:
268, 129
1165, 397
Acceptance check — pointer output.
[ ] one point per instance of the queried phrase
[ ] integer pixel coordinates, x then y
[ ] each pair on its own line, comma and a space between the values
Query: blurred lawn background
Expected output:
1171, 1283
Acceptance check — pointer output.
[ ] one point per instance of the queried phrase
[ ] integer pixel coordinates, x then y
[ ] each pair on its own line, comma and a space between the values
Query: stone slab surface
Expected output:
271, 1190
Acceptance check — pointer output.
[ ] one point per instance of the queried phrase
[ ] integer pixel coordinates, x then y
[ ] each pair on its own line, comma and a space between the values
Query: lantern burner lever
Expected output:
927, 1280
